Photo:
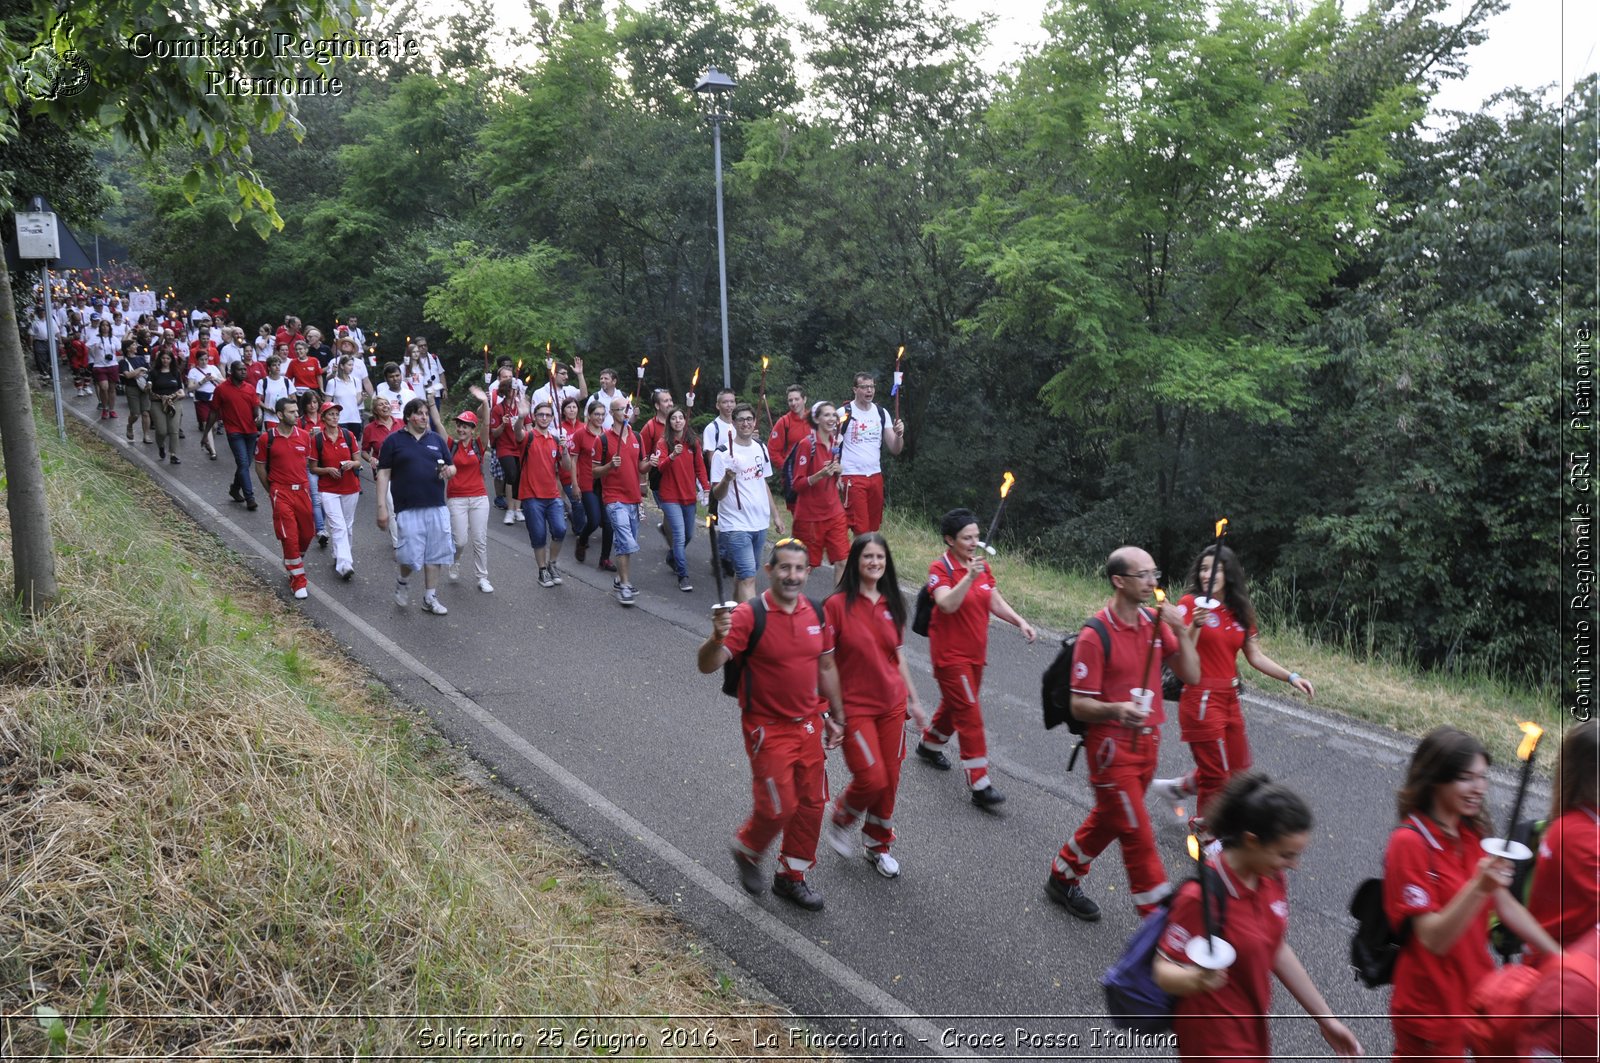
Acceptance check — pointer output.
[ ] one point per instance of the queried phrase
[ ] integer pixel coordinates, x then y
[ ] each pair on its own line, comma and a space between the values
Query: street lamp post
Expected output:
714, 83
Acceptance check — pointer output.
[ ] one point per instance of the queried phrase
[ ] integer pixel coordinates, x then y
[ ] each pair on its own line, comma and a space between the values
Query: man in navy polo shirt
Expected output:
412, 469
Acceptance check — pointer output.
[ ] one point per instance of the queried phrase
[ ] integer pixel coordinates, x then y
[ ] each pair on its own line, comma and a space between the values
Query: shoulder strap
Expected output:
1099, 628
317, 435
758, 624
883, 417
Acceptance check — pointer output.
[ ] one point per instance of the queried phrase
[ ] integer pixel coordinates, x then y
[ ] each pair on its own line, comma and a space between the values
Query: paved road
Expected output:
597, 715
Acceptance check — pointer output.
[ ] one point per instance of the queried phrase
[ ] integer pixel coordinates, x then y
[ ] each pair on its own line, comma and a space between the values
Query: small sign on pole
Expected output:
37, 237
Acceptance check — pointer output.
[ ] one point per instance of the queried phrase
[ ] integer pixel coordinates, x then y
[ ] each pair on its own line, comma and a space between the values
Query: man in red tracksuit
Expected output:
1121, 738
785, 737
282, 453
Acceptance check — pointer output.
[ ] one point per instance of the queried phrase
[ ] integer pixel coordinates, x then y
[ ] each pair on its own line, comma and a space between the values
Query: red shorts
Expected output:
831, 535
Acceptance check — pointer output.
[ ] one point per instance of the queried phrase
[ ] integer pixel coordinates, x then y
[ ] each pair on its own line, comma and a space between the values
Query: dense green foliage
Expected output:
1185, 260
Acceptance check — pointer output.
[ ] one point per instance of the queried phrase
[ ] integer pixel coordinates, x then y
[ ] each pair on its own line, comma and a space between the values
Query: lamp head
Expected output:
715, 82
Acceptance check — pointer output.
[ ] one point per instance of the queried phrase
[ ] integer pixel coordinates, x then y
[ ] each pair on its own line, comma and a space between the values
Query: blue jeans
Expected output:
316, 501
243, 447
624, 518
680, 525
579, 516
547, 519
744, 549
594, 518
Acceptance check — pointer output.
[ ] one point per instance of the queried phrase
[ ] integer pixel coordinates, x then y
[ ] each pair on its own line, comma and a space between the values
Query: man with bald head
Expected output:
1122, 731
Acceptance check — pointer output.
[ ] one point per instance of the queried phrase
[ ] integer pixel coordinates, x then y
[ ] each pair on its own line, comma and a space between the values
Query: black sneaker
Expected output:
988, 797
236, 493
322, 540
250, 504
1070, 896
749, 872
798, 892
545, 579
935, 757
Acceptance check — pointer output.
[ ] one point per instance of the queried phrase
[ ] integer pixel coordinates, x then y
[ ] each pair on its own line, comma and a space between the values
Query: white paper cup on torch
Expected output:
1211, 953
1142, 699
1210, 605
1506, 849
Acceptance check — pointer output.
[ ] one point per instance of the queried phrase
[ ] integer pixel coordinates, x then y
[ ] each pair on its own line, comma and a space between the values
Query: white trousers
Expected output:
339, 519
469, 525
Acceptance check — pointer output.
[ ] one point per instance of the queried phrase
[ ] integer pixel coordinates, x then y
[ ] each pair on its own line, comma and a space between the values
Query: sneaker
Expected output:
402, 593
581, 551
545, 579
840, 837
301, 592
511, 518
798, 892
161, 452
616, 583
499, 502
521, 518
1171, 791
485, 586
322, 540
113, 414
175, 460
935, 757
626, 594
347, 573
555, 573
886, 865
606, 565
749, 872
236, 493
455, 573
684, 584
250, 504
988, 797
1070, 896
434, 606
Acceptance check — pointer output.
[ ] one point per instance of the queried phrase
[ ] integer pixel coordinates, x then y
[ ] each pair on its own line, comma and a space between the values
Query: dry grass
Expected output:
222, 839
1366, 686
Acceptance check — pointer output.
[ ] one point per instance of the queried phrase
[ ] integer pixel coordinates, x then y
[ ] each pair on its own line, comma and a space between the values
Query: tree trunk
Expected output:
33, 552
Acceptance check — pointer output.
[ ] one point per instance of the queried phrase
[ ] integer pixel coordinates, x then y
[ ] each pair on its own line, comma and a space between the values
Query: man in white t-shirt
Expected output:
745, 511
561, 391
719, 433
232, 350
865, 429
607, 394
394, 388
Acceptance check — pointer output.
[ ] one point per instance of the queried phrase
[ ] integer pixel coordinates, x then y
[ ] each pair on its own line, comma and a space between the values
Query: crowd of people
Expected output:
302, 416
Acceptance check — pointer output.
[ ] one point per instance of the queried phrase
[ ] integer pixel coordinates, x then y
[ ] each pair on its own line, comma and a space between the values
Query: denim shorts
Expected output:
624, 518
424, 537
744, 549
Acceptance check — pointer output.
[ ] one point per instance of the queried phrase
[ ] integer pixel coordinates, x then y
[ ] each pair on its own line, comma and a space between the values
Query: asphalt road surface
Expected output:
597, 715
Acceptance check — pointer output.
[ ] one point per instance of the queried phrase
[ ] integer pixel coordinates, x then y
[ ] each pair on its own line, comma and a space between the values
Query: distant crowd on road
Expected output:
302, 416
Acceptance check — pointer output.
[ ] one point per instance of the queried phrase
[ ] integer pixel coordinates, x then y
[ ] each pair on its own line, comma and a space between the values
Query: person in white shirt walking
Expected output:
739, 474
865, 429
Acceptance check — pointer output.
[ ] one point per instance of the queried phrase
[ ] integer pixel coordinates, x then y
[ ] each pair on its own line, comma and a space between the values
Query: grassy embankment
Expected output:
221, 836
1367, 687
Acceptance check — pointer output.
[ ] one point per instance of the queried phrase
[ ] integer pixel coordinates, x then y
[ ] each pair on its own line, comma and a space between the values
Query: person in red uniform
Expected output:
466, 495
790, 429
303, 369
281, 464
683, 484
586, 453
385, 420
336, 463
1222, 1015
543, 458
1563, 1007
867, 621
1122, 736
818, 516
505, 425
618, 478
786, 677
1209, 717
233, 405
1565, 895
567, 430
965, 595
1437, 877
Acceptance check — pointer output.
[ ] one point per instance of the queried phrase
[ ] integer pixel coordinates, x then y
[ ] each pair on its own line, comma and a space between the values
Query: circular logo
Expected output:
1080, 670
55, 77
1414, 897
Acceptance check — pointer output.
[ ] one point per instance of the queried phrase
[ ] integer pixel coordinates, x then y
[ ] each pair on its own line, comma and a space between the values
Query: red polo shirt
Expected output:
236, 406
586, 451
374, 434
289, 454
961, 637
340, 446
621, 484
468, 480
540, 457
867, 651
306, 373
501, 433
1565, 897
783, 669
786, 432
255, 373
1130, 646
650, 434
681, 475
814, 501
1221, 639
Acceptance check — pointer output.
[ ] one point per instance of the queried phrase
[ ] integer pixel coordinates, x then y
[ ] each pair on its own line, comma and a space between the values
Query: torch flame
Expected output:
1530, 738
696, 378
900, 352
1161, 595
643, 362
711, 518
546, 346
1194, 848
1005, 485
1221, 524
764, 361
519, 366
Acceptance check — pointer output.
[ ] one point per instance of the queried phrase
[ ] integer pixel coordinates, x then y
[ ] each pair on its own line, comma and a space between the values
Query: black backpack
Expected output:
733, 669
1133, 999
789, 493
1055, 689
1375, 945
922, 611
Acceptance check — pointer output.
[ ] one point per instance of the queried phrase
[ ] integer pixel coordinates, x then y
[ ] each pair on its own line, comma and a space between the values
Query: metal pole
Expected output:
55, 361
722, 256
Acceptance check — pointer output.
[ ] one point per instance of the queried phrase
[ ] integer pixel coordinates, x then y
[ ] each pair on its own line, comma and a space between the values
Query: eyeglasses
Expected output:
1147, 574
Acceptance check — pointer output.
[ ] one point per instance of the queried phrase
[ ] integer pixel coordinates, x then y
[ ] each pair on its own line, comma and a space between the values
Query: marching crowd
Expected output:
302, 417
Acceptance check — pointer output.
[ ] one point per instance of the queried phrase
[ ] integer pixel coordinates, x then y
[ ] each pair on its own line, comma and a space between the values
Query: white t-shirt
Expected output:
229, 353
748, 504
103, 351
210, 373
271, 391
567, 392
347, 393
397, 399
861, 448
717, 434
605, 400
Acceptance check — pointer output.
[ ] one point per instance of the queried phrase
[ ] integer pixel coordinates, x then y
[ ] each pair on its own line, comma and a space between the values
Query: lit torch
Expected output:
1208, 602
899, 378
764, 406
1144, 696
1208, 951
994, 525
1507, 848
694, 381
642, 363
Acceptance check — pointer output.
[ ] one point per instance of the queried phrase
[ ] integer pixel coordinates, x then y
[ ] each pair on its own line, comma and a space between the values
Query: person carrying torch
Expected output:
865, 429
1116, 691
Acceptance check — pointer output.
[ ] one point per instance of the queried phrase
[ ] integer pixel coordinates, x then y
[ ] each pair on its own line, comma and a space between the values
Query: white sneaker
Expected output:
886, 865
455, 573
302, 593
521, 518
1169, 790
841, 838
402, 594
485, 586
511, 517
434, 606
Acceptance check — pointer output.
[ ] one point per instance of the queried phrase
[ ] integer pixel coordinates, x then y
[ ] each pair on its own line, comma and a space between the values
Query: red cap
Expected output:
468, 417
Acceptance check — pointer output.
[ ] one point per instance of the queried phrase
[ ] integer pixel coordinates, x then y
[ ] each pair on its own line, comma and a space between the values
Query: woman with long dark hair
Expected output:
167, 388
1437, 879
567, 430
683, 481
866, 617
1264, 828
1565, 897
818, 516
103, 352
1209, 716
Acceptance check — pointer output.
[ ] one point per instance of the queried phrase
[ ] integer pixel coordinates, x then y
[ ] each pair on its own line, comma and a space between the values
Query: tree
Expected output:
72, 64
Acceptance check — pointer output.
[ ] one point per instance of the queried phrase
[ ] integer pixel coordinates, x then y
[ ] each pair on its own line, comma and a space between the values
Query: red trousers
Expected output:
960, 714
789, 785
1120, 771
874, 748
819, 535
294, 526
1213, 727
1433, 1041
863, 502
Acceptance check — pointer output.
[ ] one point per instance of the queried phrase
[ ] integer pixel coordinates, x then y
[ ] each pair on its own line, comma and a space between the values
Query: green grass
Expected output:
1353, 681
210, 812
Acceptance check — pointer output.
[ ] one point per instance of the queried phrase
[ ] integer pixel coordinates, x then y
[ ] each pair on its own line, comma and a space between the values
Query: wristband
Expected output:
1294, 677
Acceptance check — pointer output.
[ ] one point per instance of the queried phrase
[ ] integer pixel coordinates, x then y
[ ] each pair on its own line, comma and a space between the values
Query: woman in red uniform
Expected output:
1565, 897
1222, 1015
1437, 877
866, 618
1208, 712
964, 596
466, 494
818, 517
587, 451
683, 481
567, 432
